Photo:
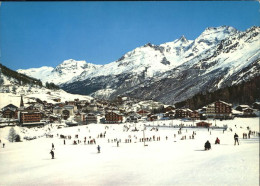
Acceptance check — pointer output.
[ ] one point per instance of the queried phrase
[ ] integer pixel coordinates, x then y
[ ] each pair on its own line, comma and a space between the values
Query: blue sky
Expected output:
35, 34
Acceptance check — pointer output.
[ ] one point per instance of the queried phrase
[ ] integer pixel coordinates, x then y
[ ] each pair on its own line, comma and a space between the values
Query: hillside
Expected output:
14, 84
16, 78
244, 93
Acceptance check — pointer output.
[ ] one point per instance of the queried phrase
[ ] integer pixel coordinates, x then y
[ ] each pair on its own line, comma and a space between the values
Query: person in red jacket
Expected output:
217, 141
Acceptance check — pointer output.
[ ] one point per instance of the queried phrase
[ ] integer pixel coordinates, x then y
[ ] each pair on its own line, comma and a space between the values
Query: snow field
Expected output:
164, 162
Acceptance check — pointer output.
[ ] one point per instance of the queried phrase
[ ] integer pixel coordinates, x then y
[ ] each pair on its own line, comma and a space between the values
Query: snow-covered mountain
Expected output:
233, 60
62, 73
169, 72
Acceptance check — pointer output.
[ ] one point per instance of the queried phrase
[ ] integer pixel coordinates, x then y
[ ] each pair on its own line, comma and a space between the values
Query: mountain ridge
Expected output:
214, 59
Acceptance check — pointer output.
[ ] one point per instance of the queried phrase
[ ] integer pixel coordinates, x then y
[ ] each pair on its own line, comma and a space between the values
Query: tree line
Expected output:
244, 93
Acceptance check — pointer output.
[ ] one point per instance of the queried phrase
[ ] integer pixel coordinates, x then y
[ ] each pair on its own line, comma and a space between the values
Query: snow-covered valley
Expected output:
170, 161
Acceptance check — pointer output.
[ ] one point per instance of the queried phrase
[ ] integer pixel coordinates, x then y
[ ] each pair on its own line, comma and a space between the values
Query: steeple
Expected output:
21, 102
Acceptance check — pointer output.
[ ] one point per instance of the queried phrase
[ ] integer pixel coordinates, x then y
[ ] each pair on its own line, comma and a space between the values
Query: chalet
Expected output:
182, 113
194, 115
133, 117
248, 112
203, 124
219, 110
91, 118
114, 117
10, 111
242, 107
170, 115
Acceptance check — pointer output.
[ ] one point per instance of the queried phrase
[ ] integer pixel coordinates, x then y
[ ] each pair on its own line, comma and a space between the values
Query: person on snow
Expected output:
217, 141
98, 148
52, 146
236, 139
52, 154
207, 145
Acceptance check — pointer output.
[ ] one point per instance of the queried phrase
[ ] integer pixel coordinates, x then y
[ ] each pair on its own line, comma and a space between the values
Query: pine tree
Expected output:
12, 135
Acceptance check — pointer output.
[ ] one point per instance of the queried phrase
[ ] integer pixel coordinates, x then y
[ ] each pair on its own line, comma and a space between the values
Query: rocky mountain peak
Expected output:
182, 39
70, 64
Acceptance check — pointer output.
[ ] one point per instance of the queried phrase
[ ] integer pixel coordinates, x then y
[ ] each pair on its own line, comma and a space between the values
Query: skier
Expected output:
3, 145
217, 141
236, 139
117, 143
52, 154
207, 145
52, 146
98, 148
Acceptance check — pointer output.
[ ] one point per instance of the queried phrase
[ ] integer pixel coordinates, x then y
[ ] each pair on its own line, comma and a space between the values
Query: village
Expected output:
36, 112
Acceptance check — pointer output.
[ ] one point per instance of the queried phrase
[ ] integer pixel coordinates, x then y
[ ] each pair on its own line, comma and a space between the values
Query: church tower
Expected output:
21, 103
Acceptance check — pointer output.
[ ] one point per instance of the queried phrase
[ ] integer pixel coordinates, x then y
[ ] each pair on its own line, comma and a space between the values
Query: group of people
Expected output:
245, 135
217, 141
208, 145
103, 135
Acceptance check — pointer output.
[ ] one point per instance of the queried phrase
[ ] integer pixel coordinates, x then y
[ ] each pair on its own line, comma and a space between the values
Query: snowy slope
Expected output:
30, 94
11, 90
165, 162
